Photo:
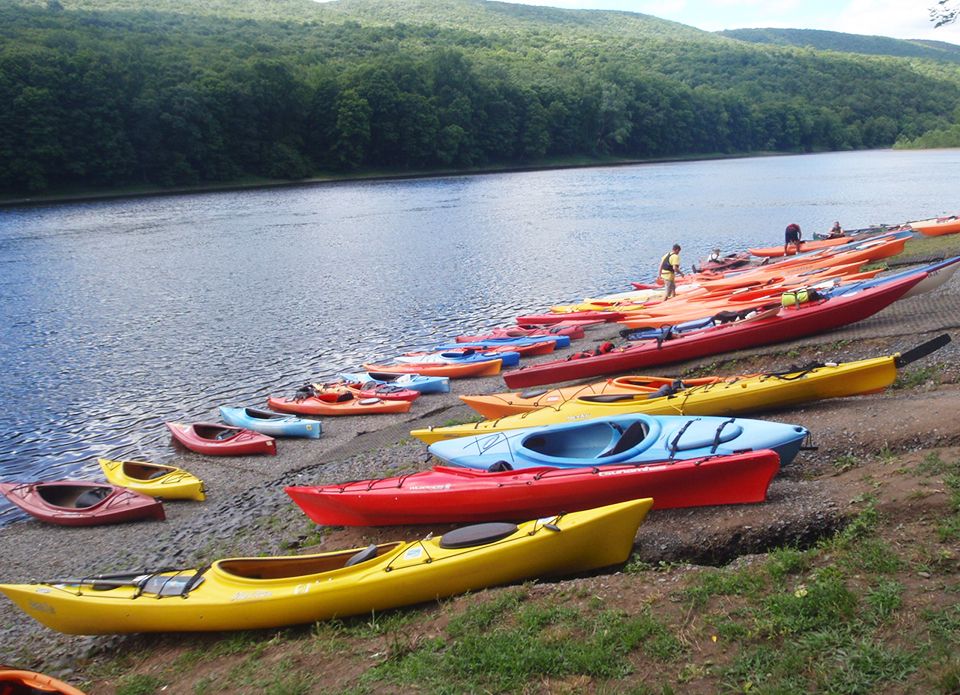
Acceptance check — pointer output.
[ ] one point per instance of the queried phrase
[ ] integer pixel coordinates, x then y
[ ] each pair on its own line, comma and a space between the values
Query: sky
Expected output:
901, 19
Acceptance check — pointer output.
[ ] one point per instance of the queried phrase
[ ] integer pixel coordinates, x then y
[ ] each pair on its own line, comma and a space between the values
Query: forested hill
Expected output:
850, 43
105, 93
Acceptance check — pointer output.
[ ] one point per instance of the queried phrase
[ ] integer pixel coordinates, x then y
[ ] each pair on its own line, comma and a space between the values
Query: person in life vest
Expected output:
669, 267
836, 230
792, 236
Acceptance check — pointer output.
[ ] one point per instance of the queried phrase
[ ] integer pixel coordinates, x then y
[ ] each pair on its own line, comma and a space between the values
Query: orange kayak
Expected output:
937, 226
775, 251
499, 405
337, 403
16, 681
448, 369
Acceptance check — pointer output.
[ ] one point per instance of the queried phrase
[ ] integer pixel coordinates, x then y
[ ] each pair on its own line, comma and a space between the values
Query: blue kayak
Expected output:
624, 439
460, 356
414, 382
268, 422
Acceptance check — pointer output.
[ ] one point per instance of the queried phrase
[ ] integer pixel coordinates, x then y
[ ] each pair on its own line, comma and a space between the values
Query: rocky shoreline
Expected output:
247, 512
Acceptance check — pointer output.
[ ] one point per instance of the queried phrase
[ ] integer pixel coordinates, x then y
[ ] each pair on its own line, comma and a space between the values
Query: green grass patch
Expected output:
723, 582
510, 642
917, 376
139, 684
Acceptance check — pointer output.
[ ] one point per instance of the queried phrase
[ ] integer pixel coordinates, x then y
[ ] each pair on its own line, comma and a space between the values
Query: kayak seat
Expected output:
224, 434
532, 393
631, 436
499, 467
478, 534
91, 497
367, 553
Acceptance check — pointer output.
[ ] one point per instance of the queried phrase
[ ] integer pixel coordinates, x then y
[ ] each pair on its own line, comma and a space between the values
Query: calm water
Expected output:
119, 315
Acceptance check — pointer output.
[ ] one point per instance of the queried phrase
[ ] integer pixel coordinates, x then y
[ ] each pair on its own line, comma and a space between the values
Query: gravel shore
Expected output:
248, 513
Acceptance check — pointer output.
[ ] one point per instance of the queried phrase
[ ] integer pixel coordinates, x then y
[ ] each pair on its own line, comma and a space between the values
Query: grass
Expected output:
913, 377
502, 644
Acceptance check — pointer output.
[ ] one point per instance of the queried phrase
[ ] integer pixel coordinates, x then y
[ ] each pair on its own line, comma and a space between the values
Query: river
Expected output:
121, 314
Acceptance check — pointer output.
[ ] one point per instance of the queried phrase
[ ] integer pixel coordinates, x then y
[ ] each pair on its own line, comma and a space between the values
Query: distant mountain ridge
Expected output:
849, 43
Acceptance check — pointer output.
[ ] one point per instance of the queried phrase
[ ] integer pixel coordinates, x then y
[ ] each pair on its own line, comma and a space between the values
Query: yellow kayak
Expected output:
612, 302
154, 479
731, 396
497, 405
252, 593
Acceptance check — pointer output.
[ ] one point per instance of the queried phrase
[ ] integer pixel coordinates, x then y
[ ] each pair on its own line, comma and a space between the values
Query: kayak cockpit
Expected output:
294, 566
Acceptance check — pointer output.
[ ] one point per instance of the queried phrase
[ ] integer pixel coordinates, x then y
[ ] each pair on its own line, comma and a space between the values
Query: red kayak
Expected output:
788, 323
81, 503
452, 494
551, 317
222, 440
574, 331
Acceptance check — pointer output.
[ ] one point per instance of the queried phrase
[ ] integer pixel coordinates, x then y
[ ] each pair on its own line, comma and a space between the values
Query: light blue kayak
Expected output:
624, 439
562, 341
414, 382
268, 422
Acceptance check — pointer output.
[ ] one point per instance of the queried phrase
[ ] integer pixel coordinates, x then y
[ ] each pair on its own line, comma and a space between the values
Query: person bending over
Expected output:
792, 236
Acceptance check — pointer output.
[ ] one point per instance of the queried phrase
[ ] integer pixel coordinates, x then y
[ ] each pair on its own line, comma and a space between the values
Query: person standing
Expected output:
792, 236
669, 267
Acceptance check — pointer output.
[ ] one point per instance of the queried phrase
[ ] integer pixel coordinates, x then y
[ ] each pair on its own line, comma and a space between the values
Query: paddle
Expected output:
922, 350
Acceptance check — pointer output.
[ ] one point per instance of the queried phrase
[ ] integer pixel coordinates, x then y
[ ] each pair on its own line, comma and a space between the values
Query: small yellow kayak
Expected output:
154, 479
252, 593
729, 396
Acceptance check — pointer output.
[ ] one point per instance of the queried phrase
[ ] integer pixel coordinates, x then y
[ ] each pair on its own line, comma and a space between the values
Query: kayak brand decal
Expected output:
445, 486
414, 553
251, 595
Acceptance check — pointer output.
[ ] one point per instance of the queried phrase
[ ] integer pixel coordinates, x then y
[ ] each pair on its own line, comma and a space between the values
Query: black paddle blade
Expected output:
922, 350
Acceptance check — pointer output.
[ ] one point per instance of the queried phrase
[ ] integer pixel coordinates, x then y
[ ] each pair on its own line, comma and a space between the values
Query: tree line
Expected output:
113, 99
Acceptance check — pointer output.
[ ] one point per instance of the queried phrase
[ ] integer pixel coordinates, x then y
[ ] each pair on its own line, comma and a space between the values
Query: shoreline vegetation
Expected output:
112, 95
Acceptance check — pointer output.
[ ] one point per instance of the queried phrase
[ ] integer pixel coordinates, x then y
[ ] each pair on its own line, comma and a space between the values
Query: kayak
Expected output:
734, 395
451, 370
446, 494
498, 405
268, 422
81, 503
550, 318
461, 355
17, 682
414, 382
574, 331
559, 341
368, 389
221, 440
787, 323
622, 439
269, 592
153, 479
937, 226
775, 251
337, 403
